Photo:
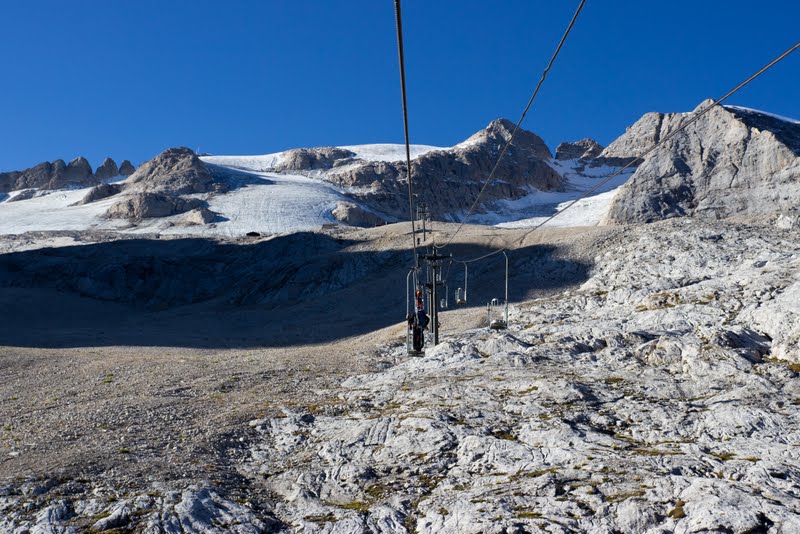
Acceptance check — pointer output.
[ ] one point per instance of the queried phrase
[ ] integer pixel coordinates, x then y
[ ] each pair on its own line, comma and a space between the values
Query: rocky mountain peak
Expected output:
499, 131
126, 168
79, 171
176, 171
584, 149
732, 161
107, 169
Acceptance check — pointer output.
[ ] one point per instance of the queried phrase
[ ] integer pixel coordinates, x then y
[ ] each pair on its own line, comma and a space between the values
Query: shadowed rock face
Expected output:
107, 169
583, 149
79, 172
58, 175
730, 162
46, 175
126, 168
25, 194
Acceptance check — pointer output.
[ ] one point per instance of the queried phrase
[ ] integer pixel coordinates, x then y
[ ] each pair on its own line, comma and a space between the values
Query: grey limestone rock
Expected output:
47, 175
313, 158
176, 171
8, 181
148, 205
354, 215
99, 192
198, 216
731, 162
462, 169
78, 172
25, 194
126, 168
107, 169
583, 149
642, 401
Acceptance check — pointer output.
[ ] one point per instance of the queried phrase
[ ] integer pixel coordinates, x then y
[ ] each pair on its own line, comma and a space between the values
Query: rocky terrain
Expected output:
583, 149
60, 175
382, 185
362, 185
159, 380
733, 161
661, 395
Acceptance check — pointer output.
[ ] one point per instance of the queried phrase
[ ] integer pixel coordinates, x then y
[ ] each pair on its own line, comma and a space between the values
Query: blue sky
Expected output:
129, 79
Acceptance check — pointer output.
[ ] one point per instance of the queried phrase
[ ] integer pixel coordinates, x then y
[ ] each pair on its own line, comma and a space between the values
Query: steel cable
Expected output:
519, 122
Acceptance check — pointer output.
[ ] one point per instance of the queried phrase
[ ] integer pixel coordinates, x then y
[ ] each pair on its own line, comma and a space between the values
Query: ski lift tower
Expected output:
434, 283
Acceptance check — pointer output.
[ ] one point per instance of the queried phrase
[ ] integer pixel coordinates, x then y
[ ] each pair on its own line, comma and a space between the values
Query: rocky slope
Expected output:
656, 398
732, 162
660, 396
159, 187
59, 175
382, 185
583, 149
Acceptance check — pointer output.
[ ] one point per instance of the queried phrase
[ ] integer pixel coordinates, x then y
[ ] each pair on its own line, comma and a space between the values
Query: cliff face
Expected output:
733, 161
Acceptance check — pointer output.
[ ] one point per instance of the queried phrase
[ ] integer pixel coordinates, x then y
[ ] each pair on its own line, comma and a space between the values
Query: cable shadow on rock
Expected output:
298, 289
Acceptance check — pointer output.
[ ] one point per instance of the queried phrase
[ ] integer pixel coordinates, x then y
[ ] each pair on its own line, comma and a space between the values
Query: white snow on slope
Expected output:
538, 206
389, 152
287, 203
283, 203
52, 211
773, 115
262, 163
373, 152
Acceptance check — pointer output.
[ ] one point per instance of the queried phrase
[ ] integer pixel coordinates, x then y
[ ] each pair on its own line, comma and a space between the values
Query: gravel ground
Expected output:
80, 415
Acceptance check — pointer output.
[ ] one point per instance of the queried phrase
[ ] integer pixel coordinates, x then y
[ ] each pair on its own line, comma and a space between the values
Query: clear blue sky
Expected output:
131, 78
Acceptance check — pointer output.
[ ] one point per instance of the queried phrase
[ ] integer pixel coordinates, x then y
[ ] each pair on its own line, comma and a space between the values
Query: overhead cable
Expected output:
401, 54
517, 126
698, 114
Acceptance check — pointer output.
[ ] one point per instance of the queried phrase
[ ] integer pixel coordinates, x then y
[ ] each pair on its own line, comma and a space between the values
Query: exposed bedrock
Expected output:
107, 169
583, 149
148, 205
460, 170
176, 171
731, 162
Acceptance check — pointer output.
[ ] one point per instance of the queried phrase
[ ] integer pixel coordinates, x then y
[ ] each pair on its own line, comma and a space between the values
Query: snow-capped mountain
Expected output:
734, 161
362, 185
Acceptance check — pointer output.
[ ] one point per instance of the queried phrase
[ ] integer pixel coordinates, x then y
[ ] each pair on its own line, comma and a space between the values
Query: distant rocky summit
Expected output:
461, 170
583, 149
126, 168
58, 175
731, 162
107, 169
45, 175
